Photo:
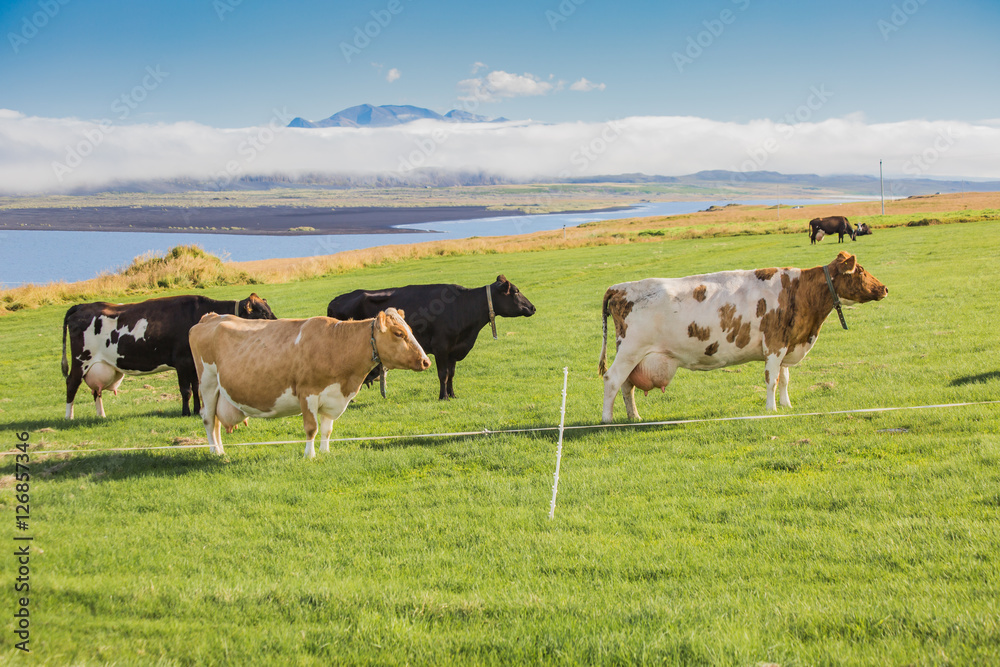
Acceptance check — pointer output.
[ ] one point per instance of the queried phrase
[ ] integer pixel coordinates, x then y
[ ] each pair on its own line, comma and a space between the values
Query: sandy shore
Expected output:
267, 220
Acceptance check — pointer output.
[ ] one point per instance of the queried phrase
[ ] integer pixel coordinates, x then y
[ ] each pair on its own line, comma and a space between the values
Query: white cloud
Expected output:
476, 66
499, 84
392, 75
62, 154
585, 86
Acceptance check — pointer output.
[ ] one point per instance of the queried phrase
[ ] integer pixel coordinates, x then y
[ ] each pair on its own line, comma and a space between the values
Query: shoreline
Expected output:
250, 220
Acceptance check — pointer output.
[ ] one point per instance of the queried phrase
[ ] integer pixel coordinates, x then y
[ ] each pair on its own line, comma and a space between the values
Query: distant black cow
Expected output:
835, 224
446, 319
108, 341
863, 230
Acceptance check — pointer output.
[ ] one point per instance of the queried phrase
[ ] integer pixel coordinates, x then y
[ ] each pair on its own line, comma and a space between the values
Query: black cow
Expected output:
110, 340
835, 224
863, 230
446, 319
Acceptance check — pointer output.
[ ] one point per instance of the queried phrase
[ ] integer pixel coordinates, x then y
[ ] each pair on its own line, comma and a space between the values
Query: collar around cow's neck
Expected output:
378, 360
833, 292
489, 303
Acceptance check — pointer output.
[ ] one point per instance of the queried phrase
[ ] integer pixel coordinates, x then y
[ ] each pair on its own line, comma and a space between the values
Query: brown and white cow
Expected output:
312, 367
720, 319
110, 340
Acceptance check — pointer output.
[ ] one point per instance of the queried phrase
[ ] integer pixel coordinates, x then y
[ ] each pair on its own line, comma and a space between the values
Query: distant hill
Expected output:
706, 184
366, 115
849, 183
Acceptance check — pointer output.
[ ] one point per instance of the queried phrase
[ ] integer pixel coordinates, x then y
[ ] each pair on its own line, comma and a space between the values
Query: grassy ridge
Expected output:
812, 540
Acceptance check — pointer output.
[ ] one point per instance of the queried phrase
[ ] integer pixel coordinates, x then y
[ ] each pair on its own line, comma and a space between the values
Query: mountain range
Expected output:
387, 115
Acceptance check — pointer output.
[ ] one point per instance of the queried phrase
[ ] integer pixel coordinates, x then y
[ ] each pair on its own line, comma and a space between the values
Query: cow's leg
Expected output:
311, 424
325, 428
625, 362
218, 437
187, 381
209, 388
451, 378
628, 395
783, 387
443, 362
73, 381
196, 397
772, 371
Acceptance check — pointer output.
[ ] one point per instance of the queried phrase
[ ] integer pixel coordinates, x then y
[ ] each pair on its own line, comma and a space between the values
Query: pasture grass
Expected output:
866, 538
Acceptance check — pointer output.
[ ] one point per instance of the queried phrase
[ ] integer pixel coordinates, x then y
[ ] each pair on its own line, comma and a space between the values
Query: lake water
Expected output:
46, 256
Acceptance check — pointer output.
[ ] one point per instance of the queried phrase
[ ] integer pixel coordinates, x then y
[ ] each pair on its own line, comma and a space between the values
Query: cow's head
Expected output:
255, 308
508, 300
396, 345
852, 283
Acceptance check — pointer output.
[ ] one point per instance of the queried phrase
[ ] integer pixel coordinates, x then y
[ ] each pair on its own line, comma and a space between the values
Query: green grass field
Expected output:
812, 540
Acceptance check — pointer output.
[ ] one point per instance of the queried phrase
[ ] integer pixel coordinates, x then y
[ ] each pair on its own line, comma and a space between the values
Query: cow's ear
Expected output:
502, 279
402, 315
848, 265
382, 321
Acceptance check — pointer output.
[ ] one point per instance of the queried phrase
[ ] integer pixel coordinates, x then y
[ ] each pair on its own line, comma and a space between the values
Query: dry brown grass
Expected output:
189, 266
183, 266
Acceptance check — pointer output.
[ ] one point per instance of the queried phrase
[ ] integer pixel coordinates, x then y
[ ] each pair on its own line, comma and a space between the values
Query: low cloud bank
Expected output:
43, 155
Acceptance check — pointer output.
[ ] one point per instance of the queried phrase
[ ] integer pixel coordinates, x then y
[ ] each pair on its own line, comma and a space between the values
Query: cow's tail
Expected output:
602, 365
65, 363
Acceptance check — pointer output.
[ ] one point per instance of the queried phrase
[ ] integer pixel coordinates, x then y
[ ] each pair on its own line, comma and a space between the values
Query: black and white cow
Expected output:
108, 341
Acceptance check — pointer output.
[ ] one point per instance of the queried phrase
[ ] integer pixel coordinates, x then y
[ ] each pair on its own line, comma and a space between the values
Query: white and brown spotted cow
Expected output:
720, 319
279, 368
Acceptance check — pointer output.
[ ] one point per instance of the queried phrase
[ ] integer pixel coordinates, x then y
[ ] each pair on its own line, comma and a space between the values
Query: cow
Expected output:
312, 367
863, 230
108, 341
835, 224
720, 319
446, 319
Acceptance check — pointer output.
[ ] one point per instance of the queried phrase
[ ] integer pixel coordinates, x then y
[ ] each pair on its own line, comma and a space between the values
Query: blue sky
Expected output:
229, 63
95, 93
